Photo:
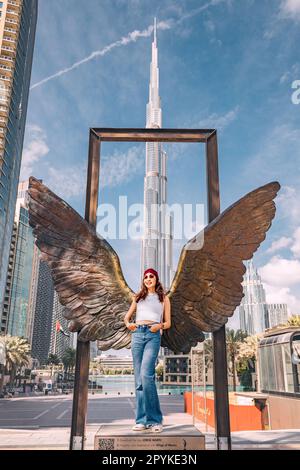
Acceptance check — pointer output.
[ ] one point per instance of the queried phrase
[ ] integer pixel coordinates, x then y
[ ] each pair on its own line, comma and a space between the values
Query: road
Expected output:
44, 422
56, 411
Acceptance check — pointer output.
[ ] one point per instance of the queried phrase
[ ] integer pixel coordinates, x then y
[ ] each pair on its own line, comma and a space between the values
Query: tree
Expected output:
69, 359
248, 348
53, 359
159, 369
294, 320
247, 360
233, 341
17, 355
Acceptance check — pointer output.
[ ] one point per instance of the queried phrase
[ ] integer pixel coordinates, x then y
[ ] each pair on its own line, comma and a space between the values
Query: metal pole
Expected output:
80, 397
221, 400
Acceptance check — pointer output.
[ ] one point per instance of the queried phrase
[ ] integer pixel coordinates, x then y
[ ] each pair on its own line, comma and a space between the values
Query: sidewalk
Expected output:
35, 436
58, 438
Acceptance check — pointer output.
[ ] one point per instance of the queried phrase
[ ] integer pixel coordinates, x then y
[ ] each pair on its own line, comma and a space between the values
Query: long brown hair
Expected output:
142, 294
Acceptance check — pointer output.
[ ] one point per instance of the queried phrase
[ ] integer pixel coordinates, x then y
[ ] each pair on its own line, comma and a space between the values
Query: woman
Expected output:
153, 314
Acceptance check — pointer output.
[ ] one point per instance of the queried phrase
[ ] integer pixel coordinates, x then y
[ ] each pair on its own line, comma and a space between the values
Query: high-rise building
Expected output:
158, 223
61, 339
42, 326
277, 314
17, 34
253, 309
21, 286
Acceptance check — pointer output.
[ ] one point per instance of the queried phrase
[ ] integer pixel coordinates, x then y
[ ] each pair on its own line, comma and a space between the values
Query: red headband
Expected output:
150, 270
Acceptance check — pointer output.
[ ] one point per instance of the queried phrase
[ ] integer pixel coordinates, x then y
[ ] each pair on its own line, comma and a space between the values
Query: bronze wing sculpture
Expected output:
89, 281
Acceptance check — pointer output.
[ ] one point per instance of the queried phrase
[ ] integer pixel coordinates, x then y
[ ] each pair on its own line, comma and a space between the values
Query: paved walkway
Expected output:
34, 437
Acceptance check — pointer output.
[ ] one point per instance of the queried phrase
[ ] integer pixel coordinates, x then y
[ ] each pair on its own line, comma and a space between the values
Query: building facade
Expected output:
277, 314
17, 35
108, 361
158, 223
253, 310
42, 326
21, 286
60, 339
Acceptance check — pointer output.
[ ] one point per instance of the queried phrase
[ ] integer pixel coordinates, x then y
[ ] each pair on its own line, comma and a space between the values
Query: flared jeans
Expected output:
145, 348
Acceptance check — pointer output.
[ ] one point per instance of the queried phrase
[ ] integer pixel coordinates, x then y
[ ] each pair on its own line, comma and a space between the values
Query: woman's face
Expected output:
149, 280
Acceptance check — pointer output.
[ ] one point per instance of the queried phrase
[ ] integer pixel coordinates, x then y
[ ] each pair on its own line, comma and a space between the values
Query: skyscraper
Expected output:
253, 309
17, 34
158, 224
60, 339
21, 286
42, 326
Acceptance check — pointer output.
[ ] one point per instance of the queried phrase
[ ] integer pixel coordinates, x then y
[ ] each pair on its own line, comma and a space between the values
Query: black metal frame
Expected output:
209, 137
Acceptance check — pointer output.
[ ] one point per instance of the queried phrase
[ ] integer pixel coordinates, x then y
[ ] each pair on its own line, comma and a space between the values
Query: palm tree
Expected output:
17, 355
233, 341
294, 320
69, 359
53, 359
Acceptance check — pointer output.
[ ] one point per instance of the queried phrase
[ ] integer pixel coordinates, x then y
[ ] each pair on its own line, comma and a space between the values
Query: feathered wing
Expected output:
207, 287
85, 269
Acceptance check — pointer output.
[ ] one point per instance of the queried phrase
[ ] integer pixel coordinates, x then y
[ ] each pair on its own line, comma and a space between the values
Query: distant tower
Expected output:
253, 309
158, 225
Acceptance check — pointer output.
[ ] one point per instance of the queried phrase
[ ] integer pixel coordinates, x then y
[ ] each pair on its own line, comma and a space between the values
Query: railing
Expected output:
7, 38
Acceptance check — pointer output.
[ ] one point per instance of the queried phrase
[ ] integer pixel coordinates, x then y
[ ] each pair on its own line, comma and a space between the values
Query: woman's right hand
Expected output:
132, 326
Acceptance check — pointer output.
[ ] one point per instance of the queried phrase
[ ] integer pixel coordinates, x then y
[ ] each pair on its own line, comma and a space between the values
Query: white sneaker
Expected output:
139, 427
156, 428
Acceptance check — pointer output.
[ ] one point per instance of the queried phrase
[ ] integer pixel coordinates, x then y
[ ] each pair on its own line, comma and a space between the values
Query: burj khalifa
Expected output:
158, 222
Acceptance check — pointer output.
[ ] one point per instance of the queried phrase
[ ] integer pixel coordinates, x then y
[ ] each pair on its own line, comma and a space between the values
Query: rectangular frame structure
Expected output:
209, 138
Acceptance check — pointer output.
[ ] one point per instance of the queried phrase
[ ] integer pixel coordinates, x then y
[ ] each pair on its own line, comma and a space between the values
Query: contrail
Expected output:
131, 37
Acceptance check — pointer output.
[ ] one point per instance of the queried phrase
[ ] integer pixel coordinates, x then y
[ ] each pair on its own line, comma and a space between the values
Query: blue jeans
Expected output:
145, 348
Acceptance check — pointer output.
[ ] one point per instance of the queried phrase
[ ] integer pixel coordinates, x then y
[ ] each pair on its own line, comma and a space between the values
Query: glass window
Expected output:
280, 387
288, 368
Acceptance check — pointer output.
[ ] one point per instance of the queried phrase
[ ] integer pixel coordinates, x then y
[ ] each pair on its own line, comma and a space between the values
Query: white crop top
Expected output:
149, 309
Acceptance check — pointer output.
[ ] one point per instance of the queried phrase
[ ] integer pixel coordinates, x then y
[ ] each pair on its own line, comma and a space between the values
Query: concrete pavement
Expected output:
44, 423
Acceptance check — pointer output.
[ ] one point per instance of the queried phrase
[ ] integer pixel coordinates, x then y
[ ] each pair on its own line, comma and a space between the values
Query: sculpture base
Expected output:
173, 437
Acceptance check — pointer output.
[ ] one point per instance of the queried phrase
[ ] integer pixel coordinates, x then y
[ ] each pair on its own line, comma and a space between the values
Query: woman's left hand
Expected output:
155, 328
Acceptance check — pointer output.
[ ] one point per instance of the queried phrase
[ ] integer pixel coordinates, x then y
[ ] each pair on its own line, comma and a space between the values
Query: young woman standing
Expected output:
153, 314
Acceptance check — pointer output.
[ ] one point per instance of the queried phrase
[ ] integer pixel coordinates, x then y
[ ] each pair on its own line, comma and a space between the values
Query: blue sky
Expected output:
226, 64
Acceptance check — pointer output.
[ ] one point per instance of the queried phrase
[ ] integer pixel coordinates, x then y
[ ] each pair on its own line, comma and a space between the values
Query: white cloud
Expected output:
281, 272
34, 150
219, 121
115, 169
283, 295
67, 182
281, 276
209, 25
290, 9
277, 245
288, 205
121, 167
295, 248
290, 74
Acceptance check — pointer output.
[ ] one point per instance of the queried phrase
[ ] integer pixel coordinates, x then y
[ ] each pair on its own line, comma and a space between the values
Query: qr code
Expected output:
106, 444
